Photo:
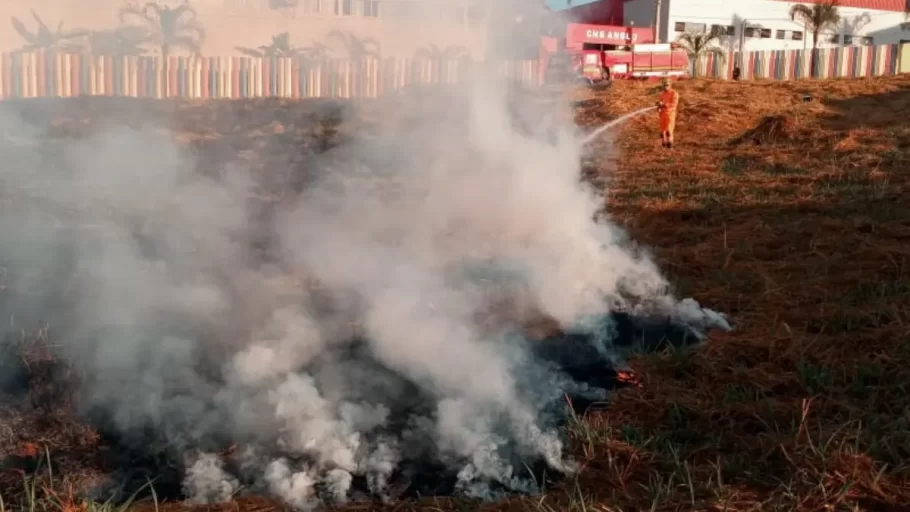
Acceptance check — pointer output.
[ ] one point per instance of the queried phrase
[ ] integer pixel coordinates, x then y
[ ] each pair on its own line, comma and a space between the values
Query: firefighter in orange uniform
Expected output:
666, 109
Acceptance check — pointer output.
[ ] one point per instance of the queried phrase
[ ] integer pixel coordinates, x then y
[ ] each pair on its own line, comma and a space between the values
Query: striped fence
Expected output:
840, 62
37, 74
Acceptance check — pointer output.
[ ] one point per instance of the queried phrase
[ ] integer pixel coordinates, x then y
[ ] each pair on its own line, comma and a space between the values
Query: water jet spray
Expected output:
619, 120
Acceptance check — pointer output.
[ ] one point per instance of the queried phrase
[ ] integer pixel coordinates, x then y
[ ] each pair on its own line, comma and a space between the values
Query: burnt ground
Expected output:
103, 463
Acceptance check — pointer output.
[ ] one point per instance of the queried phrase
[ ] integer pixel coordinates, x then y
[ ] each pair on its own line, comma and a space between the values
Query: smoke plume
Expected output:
424, 246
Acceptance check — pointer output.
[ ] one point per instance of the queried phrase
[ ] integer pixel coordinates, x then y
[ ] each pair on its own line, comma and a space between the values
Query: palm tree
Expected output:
698, 44
318, 52
357, 48
817, 19
117, 41
43, 38
170, 27
280, 47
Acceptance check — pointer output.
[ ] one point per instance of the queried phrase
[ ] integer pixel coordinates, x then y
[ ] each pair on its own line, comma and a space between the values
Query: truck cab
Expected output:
593, 66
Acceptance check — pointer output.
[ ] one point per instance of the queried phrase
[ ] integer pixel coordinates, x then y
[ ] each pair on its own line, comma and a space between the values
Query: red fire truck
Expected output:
598, 53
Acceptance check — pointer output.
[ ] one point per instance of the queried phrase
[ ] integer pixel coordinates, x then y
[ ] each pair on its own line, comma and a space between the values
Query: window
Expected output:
787, 34
765, 33
859, 40
282, 4
831, 38
682, 26
310, 6
371, 8
722, 30
237, 4
343, 7
751, 32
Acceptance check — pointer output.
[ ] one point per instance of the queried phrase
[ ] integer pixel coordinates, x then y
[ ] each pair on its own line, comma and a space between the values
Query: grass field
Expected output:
792, 215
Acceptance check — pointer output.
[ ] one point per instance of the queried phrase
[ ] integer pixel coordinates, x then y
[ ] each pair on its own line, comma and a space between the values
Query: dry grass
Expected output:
792, 216
803, 238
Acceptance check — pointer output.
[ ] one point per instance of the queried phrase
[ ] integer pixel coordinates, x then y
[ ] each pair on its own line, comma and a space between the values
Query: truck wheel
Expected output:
605, 79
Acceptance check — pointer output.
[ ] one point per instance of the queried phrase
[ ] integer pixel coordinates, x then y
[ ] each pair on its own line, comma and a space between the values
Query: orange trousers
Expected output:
667, 122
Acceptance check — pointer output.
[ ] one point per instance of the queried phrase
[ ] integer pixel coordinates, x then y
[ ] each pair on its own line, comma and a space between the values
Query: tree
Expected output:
356, 48
698, 44
170, 27
117, 41
817, 19
280, 47
318, 52
43, 38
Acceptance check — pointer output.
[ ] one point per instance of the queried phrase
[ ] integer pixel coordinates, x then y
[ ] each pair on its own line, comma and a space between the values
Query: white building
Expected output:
766, 24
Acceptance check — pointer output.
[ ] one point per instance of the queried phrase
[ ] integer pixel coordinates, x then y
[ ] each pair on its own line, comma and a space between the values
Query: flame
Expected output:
628, 378
29, 449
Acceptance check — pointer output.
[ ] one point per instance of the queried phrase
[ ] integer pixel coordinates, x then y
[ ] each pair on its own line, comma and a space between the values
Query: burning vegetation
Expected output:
317, 302
799, 408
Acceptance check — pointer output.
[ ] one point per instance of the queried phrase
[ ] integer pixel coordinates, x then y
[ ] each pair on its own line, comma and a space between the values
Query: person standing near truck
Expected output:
666, 111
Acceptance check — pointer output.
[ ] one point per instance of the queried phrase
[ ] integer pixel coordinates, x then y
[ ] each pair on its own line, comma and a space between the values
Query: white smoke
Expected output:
207, 482
297, 488
181, 327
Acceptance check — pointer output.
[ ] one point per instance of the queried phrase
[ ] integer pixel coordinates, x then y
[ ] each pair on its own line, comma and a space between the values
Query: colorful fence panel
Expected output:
38, 74
840, 62
29, 75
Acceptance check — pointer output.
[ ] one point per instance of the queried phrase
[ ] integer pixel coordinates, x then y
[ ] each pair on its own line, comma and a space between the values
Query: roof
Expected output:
563, 5
876, 5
